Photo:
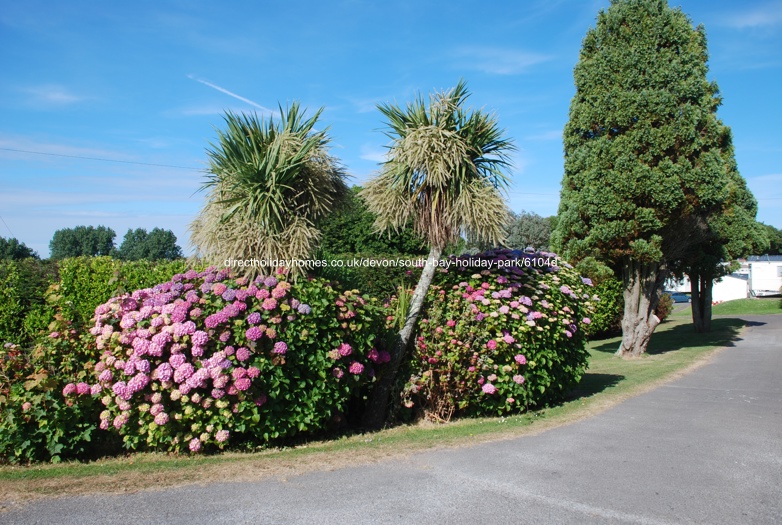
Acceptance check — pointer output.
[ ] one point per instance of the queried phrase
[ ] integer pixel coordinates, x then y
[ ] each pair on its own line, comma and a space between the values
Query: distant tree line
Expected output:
138, 244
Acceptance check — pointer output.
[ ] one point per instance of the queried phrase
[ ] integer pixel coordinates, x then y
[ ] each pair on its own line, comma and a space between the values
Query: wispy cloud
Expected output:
373, 153
231, 94
367, 105
496, 60
554, 134
53, 95
23, 145
766, 15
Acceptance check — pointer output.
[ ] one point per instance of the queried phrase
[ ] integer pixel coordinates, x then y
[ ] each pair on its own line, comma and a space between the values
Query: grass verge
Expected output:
754, 306
674, 350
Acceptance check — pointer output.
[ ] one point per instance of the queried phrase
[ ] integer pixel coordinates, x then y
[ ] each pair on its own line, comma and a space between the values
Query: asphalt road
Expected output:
704, 449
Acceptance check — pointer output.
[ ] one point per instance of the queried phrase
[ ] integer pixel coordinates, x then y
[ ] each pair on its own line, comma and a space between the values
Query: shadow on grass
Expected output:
724, 332
592, 384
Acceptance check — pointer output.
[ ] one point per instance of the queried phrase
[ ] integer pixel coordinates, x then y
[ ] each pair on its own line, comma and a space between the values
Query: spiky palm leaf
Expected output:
268, 184
444, 171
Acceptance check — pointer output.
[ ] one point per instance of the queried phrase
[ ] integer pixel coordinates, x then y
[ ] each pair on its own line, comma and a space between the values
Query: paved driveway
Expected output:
706, 449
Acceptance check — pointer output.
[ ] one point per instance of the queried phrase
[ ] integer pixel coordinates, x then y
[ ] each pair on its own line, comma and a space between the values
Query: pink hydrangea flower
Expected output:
200, 338
195, 445
280, 348
69, 389
243, 383
243, 354
356, 368
253, 333
488, 388
345, 349
520, 359
338, 373
518, 379
253, 372
221, 436
269, 304
492, 344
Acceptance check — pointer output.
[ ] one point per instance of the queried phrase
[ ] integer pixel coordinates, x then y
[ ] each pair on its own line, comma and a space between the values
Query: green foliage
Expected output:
23, 286
269, 183
11, 301
82, 241
775, 239
350, 230
664, 306
37, 423
529, 229
355, 271
155, 245
643, 148
499, 337
608, 309
13, 249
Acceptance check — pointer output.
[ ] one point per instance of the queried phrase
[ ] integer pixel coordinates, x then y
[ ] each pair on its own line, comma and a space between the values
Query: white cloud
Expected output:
767, 15
373, 153
499, 61
53, 95
367, 105
554, 134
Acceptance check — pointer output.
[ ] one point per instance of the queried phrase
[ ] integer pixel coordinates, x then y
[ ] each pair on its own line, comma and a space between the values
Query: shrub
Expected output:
378, 280
608, 310
205, 358
501, 331
664, 306
38, 424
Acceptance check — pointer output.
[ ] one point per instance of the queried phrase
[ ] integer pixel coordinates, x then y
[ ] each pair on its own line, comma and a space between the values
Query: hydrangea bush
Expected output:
207, 359
501, 331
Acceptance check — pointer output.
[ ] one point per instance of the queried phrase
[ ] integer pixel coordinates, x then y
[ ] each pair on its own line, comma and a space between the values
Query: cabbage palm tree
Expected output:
268, 184
444, 172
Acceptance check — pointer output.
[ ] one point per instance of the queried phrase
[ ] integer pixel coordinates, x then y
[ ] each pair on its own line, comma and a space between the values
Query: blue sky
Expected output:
145, 83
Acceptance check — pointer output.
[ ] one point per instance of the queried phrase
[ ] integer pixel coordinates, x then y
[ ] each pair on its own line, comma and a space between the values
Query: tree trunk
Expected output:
377, 407
701, 295
642, 285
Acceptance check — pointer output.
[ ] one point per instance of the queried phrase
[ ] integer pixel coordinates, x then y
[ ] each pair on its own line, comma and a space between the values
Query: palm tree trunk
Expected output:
377, 407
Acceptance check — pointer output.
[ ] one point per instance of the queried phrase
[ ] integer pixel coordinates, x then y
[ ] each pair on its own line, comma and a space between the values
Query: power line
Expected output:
6, 227
99, 159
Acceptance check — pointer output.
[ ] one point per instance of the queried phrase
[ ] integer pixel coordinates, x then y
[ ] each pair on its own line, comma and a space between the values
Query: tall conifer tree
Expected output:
645, 162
